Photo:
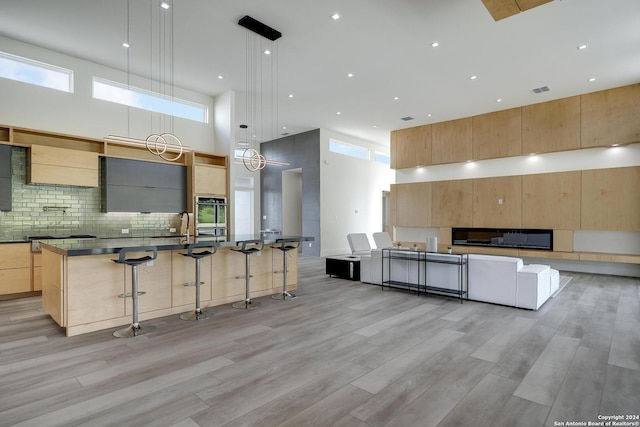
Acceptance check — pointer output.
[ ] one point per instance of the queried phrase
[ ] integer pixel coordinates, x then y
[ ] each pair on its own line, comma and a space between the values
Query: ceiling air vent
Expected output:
406, 119
541, 89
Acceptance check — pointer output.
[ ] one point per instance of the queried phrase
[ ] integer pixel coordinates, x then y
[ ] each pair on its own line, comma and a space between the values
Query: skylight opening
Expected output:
25, 70
146, 100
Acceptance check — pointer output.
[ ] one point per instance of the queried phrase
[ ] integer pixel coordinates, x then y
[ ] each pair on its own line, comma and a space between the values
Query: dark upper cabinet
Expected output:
5, 177
139, 186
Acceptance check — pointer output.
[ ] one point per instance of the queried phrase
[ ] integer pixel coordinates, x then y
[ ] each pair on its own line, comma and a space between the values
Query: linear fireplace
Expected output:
523, 238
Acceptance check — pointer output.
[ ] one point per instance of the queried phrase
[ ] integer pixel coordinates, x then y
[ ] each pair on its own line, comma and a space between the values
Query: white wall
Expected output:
79, 114
350, 193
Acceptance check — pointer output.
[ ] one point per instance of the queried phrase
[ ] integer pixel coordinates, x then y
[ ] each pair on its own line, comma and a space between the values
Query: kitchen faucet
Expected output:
187, 229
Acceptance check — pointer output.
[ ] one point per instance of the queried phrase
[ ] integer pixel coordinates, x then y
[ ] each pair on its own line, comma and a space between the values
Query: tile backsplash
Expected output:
60, 209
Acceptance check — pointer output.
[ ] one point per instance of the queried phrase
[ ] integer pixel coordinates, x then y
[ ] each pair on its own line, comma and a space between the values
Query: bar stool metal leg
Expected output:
135, 328
285, 295
247, 304
198, 313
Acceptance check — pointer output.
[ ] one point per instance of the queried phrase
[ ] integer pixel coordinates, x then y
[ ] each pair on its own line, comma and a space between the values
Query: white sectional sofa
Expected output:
495, 279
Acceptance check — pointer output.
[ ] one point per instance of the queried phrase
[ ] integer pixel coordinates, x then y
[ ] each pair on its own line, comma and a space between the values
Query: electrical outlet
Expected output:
172, 230
309, 244
125, 231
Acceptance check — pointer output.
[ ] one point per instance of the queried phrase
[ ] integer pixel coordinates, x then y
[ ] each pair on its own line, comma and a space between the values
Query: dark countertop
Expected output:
82, 247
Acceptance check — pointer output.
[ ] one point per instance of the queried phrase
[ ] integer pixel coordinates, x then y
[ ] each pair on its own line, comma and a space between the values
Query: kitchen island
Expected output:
81, 283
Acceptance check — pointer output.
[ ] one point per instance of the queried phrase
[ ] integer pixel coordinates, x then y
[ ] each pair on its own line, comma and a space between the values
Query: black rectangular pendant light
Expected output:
259, 28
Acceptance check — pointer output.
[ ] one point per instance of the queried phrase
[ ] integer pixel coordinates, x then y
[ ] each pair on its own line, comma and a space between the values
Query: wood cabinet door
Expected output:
452, 203
413, 204
451, 142
551, 200
497, 202
53, 165
209, 180
497, 134
551, 126
611, 116
93, 286
411, 147
610, 199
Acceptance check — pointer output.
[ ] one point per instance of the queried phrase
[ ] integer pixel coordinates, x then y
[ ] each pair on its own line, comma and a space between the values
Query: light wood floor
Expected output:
342, 354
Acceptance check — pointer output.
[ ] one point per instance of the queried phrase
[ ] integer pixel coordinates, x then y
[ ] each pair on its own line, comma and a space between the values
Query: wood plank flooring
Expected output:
343, 354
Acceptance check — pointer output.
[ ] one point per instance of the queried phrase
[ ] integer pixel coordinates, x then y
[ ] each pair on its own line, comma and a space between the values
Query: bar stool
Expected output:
285, 245
198, 313
135, 328
248, 247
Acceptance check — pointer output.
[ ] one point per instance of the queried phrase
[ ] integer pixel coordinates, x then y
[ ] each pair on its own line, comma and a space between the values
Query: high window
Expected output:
340, 147
36, 73
147, 100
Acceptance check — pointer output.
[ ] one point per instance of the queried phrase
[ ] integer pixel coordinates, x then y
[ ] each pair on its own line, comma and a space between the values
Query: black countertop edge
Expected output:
113, 246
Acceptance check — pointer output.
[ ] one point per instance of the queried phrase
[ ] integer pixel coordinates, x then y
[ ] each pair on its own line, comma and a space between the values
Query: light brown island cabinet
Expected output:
81, 292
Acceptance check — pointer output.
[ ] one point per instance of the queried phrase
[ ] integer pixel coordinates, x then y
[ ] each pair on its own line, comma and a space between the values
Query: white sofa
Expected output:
495, 279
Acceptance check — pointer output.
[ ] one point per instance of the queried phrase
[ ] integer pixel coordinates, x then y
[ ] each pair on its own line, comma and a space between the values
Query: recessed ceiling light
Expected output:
125, 44
290, 95
350, 75
284, 128
220, 77
375, 126
335, 16
473, 77
582, 47
164, 5
429, 115
592, 79
499, 100
395, 98
338, 113
435, 44
267, 52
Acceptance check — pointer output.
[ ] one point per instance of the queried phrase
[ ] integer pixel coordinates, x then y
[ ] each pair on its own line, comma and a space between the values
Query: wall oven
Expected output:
211, 216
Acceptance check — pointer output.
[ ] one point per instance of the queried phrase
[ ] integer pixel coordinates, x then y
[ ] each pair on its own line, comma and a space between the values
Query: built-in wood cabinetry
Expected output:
497, 134
452, 203
63, 166
413, 202
611, 116
597, 119
206, 176
36, 277
551, 126
551, 200
497, 202
411, 147
451, 142
610, 199
15, 268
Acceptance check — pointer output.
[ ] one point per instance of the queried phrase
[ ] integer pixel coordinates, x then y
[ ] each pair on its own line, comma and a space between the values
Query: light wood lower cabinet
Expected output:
15, 268
81, 292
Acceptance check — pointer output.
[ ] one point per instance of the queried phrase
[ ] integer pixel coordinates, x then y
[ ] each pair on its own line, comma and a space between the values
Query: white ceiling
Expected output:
385, 43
